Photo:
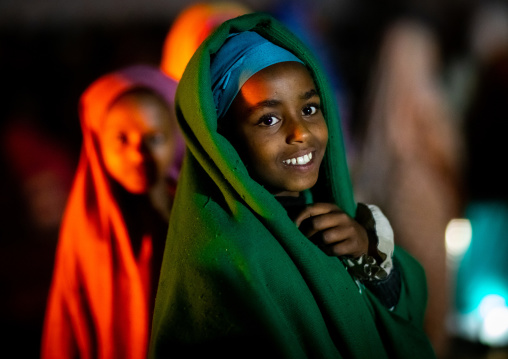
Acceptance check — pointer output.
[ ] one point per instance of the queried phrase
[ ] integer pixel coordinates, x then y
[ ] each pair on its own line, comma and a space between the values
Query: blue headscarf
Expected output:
242, 55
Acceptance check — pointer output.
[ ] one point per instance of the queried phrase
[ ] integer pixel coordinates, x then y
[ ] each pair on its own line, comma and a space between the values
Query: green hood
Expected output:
238, 278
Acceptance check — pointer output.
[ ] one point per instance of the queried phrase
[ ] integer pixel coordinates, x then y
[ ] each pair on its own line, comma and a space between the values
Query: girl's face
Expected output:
137, 141
278, 128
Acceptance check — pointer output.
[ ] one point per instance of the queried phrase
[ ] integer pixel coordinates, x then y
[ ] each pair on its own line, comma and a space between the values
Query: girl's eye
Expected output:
155, 139
268, 120
310, 110
122, 138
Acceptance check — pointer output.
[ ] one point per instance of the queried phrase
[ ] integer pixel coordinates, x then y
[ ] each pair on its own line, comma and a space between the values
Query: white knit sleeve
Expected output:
384, 233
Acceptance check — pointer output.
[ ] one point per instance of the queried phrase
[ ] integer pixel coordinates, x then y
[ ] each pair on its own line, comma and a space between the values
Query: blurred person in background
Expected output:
37, 171
190, 28
115, 223
43, 170
481, 296
410, 161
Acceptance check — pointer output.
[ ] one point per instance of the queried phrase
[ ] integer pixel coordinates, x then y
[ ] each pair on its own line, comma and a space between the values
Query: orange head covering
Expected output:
190, 28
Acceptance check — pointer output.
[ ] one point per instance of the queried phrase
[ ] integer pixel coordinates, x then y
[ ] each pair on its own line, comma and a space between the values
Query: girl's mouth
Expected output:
300, 160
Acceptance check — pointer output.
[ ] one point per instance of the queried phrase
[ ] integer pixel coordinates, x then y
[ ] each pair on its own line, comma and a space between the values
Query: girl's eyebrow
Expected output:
273, 103
309, 94
265, 103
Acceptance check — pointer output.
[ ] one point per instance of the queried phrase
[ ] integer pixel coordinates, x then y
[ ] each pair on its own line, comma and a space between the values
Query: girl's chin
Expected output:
294, 190
136, 188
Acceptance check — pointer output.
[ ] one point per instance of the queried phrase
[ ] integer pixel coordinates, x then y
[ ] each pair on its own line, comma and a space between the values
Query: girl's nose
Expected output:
297, 131
137, 151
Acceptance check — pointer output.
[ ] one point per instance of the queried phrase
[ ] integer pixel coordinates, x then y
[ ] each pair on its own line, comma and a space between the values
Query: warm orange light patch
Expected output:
190, 29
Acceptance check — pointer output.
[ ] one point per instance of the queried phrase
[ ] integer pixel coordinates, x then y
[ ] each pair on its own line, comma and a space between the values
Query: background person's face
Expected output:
137, 141
278, 128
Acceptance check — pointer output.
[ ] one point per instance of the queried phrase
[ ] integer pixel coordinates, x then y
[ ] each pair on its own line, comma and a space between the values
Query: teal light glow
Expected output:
494, 314
481, 297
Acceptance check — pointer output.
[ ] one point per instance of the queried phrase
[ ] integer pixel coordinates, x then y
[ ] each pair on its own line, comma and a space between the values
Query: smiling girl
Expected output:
274, 258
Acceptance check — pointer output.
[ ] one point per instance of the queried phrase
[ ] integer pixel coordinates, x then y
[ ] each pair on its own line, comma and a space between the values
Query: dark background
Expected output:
51, 50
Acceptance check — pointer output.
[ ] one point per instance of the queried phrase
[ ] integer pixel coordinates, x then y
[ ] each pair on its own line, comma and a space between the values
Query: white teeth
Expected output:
302, 160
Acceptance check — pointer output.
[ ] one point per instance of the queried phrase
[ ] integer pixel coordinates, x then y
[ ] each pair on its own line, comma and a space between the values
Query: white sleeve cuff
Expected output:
384, 234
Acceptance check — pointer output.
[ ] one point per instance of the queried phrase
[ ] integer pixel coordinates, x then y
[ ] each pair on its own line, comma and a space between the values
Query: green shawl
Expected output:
238, 278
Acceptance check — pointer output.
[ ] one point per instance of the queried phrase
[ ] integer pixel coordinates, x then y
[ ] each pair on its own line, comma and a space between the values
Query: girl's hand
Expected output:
333, 230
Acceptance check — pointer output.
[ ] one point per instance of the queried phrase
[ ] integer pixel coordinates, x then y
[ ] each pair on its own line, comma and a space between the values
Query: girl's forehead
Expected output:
137, 112
286, 79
